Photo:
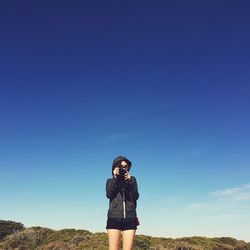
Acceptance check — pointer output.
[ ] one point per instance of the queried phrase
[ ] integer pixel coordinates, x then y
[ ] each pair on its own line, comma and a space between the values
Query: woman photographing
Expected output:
122, 192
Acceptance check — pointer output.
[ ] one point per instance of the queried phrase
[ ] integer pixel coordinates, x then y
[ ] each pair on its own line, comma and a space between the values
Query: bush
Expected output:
24, 240
59, 245
142, 242
9, 227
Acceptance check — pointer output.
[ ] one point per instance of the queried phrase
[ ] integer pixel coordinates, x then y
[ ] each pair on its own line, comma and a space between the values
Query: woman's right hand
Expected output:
116, 172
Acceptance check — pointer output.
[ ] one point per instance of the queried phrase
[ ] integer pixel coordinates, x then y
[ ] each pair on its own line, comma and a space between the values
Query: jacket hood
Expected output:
119, 159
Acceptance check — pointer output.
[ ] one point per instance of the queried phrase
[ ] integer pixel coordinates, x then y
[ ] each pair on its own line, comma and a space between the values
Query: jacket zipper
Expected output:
123, 203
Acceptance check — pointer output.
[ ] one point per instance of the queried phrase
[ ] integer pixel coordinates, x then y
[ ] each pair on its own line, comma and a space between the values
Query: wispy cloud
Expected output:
234, 201
114, 137
223, 212
119, 136
7, 174
197, 205
241, 193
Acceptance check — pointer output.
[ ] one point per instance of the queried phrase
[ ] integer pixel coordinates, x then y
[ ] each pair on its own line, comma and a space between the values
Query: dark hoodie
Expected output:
115, 195
119, 159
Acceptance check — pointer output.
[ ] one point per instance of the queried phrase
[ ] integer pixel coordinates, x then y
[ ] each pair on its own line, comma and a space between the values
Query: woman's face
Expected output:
124, 165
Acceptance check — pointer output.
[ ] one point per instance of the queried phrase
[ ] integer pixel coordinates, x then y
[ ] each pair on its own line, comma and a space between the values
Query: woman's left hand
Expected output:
127, 176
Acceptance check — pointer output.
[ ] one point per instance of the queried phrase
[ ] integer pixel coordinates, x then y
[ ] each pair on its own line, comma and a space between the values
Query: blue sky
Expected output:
164, 83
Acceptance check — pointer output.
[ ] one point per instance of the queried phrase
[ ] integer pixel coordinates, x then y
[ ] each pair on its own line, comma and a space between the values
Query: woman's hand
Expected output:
116, 172
127, 176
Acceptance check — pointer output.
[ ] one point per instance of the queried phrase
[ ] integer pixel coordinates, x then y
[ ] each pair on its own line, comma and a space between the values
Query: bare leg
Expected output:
114, 238
128, 239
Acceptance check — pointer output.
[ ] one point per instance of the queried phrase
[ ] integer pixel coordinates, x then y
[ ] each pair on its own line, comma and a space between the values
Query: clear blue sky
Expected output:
164, 83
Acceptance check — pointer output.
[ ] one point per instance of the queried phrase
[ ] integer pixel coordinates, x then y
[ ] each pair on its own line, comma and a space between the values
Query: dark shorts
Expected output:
112, 224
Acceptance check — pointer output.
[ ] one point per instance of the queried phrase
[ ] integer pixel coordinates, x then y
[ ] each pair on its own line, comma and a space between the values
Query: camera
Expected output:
121, 177
122, 173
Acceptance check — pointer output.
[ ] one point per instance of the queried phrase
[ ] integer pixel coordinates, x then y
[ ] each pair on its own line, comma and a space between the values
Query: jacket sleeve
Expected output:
134, 188
111, 188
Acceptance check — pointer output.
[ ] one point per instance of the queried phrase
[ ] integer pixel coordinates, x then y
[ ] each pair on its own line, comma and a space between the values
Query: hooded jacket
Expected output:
115, 194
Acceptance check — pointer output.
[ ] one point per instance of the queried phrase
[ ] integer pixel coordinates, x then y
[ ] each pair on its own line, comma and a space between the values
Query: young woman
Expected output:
122, 192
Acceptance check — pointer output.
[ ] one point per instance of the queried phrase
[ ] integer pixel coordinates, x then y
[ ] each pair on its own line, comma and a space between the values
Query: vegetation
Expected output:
15, 237
9, 227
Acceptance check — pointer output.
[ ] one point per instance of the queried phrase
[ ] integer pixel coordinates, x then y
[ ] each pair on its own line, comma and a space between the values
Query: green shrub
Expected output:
9, 227
39, 238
